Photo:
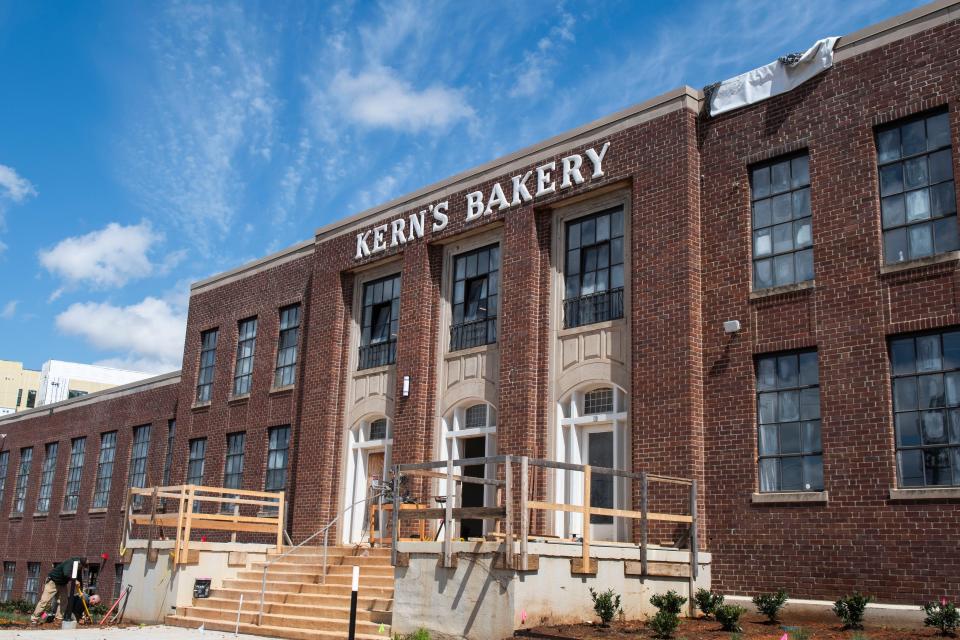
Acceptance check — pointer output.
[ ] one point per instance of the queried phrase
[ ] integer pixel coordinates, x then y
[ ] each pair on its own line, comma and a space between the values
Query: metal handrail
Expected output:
325, 530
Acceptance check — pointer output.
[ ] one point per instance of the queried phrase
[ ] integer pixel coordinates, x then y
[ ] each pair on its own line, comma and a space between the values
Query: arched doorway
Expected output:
368, 461
470, 431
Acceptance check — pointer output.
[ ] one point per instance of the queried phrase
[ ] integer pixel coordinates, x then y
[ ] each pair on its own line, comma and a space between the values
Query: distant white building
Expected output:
61, 380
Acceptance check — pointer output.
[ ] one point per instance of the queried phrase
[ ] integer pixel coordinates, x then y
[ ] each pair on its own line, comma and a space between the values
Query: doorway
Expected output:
598, 452
472, 494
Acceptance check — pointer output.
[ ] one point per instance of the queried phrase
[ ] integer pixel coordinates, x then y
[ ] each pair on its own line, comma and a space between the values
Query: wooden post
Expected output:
693, 542
643, 524
185, 547
524, 511
396, 515
586, 518
508, 507
281, 514
448, 519
153, 521
178, 542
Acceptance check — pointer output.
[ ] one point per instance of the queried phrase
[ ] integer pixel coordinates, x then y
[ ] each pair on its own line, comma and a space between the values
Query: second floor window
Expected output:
168, 460
46, 478
208, 357
4, 467
23, 478
108, 453
279, 447
593, 269
788, 422
782, 227
71, 496
476, 285
379, 322
246, 344
195, 465
286, 372
233, 465
138, 461
926, 408
918, 205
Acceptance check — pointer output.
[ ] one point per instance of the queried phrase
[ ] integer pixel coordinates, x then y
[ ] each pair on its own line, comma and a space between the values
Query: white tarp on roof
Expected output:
773, 79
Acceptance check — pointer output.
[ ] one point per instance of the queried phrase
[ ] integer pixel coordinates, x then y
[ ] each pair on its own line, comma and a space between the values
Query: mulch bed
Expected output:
710, 630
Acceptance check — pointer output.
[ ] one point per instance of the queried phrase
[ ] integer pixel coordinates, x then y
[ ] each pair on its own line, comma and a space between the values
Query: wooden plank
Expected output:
396, 515
524, 510
178, 544
576, 508
668, 479
458, 513
448, 519
262, 503
242, 527
693, 541
174, 491
569, 466
503, 561
666, 517
439, 464
281, 511
226, 517
585, 545
663, 569
579, 567
458, 478
508, 507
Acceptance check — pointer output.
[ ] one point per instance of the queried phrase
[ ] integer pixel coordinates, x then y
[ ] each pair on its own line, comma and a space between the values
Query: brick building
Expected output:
568, 302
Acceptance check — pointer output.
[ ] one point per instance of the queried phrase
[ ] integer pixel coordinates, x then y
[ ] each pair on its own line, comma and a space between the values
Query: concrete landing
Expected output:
152, 632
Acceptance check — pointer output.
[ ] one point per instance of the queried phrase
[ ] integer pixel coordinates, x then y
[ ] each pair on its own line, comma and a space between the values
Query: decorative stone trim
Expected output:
791, 497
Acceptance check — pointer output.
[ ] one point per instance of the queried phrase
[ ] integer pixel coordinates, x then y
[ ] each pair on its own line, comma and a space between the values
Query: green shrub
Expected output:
943, 615
606, 604
419, 634
664, 624
17, 606
769, 604
850, 609
670, 601
728, 615
707, 601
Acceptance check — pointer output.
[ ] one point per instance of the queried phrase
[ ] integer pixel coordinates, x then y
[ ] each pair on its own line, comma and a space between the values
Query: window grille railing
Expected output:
378, 354
473, 334
594, 307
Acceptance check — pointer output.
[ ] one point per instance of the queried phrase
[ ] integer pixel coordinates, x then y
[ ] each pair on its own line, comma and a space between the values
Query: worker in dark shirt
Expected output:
57, 584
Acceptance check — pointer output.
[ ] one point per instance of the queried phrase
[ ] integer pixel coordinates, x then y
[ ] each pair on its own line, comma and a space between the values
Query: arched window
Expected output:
475, 417
598, 401
378, 429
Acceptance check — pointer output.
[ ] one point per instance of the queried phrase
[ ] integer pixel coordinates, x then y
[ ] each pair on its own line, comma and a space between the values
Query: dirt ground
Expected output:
753, 628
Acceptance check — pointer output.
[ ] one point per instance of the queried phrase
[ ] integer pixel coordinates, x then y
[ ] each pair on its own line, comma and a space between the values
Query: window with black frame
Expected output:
782, 227
285, 373
108, 452
46, 477
233, 467
278, 447
196, 463
593, 269
208, 358
918, 203
71, 494
138, 462
379, 322
476, 284
246, 345
788, 422
23, 479
926, 408
4, 465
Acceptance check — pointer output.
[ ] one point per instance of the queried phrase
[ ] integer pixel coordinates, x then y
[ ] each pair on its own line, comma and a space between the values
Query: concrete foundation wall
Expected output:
476, 601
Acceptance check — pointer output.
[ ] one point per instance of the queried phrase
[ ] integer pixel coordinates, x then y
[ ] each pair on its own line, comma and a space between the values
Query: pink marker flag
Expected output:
523, 616
784, 637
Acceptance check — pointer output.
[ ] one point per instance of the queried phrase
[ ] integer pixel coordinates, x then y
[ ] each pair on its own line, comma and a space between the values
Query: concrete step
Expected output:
253, 586
377, 603
290, 633
318, 623
343, 578
376, 552
282, 568
340, 611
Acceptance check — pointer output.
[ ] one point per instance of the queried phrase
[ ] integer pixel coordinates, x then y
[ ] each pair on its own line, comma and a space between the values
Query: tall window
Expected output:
46, 477
196, 461
233, 466
71, 495
23, 477
117, 580
926, 405
138, 461
279, 441
286, 372
476, 282
9, 572
246, 344
593, 270
208, 358
19, 397
31, 399
788, 416
4, 467
917, 199
380, 320
31, 588
168, 460
782, 230
108, 453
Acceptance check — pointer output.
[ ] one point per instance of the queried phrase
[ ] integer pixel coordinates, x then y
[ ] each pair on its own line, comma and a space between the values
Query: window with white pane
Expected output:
208, 358
46, 477
108, 452
246, 345
476, 277
379, 322
788, 417
23, 478
278, 441
138, 461
926, 408
917, 195
233, 467
71, 495
593, 268
782, 223
285, 373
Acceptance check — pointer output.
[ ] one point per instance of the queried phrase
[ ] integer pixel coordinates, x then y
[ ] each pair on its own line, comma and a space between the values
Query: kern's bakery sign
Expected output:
546, 179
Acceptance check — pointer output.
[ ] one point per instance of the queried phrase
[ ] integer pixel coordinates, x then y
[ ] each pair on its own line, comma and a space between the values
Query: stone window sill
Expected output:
68, 513
98, 510
772, 292
928, 493
38, 514
919, 263
238, 399
592, 326
196, 406
16, 516
791, 497
285, 389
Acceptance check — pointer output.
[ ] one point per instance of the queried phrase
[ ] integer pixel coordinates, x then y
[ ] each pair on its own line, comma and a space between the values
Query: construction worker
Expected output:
57, 584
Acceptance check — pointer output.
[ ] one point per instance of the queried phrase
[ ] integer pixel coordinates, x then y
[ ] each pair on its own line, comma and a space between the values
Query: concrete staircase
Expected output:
296, 604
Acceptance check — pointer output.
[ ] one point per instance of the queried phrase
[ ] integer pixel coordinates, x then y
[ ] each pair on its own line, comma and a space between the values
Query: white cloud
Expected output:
109, 257
533, 74
378, 97
149, 334
9, 309
13, 186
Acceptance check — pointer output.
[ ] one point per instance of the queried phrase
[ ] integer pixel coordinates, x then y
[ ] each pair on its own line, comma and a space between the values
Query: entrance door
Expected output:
599, 453
472, 494
375, 460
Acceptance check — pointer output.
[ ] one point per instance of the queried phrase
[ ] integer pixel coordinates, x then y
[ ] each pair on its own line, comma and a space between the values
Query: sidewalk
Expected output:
155, 632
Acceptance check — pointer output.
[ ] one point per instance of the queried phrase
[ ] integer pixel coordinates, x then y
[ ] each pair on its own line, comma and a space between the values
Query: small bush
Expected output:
850, 609
17, 606
728, 615
664, 624
606, 604
419, 634
707, 601
943, 615
670, 601
769, 604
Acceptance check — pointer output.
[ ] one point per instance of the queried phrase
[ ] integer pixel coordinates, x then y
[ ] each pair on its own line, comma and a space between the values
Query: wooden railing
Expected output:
510, 500
188, 515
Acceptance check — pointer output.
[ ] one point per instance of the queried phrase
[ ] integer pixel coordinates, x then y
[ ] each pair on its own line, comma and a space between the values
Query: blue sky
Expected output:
147, 145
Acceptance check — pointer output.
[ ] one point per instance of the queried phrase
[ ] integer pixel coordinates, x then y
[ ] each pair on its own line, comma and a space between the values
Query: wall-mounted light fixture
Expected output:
406, 386
731, 326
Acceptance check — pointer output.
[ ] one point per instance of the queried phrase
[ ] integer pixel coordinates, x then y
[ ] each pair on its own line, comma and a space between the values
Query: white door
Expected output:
599, 452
